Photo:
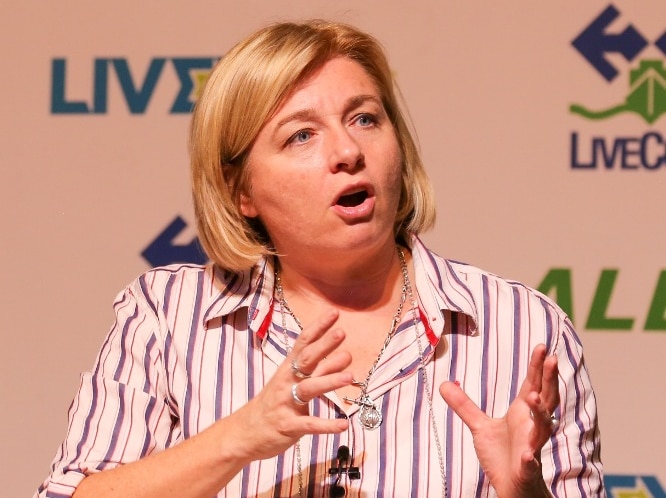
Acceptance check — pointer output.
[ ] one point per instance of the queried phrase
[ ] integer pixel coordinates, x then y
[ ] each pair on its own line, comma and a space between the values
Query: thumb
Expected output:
460, 403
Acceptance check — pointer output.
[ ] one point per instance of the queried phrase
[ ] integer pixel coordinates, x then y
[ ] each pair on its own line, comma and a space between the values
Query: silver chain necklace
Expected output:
426, 383
370, 417
283, 305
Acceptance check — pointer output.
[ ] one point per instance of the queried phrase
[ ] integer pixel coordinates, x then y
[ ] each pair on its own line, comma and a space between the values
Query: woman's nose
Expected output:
345, 151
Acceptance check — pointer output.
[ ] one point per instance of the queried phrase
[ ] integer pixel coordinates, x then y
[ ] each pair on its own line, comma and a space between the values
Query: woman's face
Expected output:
325, 170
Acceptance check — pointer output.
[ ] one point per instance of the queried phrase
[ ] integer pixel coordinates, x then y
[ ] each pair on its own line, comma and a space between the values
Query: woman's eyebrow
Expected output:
359, 100
300, 115
309, 113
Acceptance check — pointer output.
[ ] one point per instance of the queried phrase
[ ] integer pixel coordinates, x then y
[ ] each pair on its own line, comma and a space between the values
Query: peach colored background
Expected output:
488, 85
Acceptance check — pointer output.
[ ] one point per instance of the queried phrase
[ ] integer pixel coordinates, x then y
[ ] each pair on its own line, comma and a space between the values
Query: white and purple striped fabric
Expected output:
192, 344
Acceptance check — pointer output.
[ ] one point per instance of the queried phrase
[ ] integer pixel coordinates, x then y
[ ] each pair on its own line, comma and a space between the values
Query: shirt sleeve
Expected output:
121, 412
571, 459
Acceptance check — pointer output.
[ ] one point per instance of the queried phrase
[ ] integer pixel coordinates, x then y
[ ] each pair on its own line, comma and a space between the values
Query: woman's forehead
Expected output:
336, 81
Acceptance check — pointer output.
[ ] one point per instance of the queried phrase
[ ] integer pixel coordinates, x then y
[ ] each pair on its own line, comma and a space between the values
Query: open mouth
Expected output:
352, 200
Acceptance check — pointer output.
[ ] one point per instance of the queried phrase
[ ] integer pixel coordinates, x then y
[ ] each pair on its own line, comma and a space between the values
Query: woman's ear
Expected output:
232, 176
247, 206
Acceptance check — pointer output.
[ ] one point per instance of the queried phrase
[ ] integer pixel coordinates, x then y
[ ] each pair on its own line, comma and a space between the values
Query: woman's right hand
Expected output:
273, 420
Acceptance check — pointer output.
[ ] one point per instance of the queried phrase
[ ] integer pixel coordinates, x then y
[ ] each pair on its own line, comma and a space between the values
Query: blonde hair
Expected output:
245, 88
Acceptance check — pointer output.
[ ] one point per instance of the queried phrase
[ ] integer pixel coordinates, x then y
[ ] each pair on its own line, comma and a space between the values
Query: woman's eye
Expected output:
366, 120
300, 137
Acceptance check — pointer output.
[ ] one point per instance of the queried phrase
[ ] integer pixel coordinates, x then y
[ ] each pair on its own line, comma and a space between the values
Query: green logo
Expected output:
647, 94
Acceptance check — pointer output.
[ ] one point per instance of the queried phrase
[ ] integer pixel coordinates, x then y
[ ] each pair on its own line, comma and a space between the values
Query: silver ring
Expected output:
297, 371
294, 395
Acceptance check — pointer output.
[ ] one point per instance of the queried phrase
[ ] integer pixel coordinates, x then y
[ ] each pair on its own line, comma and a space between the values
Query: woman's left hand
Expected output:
509, 448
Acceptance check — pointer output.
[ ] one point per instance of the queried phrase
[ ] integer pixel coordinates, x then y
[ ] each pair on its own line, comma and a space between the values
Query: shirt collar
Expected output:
439, 283
251, 289
441, 287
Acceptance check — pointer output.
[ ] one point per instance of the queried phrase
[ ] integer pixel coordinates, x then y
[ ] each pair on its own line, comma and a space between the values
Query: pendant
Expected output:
370, 417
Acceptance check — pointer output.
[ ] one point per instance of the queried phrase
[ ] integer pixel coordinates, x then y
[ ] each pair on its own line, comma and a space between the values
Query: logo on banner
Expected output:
645, 96
628, 486
559, 282
166, 248
191, 74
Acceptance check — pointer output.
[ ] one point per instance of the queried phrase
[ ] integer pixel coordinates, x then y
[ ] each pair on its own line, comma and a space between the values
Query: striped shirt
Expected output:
192, 344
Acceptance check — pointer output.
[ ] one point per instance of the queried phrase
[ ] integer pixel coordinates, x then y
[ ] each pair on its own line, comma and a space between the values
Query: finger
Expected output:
295, 427
337, 361
538, 410
311, 335
543, 424
464, 407
316, 386
533, 380
317, 425
315, 330
530, 466
550, 393
310, 356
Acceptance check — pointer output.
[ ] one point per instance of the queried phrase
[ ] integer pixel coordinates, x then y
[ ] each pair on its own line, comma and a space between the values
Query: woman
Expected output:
306, 359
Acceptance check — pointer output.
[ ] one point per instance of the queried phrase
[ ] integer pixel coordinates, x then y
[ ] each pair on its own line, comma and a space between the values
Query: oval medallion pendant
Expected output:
370, 417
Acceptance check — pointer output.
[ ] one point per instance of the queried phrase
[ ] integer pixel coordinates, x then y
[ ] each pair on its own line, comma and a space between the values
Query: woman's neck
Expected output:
344, 282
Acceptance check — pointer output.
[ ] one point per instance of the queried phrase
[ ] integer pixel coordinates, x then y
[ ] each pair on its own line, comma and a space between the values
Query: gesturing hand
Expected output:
509, 448
273, 420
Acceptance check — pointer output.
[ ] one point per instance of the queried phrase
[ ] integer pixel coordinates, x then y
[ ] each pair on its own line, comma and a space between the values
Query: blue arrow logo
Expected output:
594, 42
162, 251
661, 43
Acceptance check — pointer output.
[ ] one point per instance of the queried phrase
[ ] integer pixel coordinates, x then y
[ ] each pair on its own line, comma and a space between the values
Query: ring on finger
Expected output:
297, 371
295, 396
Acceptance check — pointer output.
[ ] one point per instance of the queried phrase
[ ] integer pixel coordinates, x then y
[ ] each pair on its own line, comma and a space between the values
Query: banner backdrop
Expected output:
541, 125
